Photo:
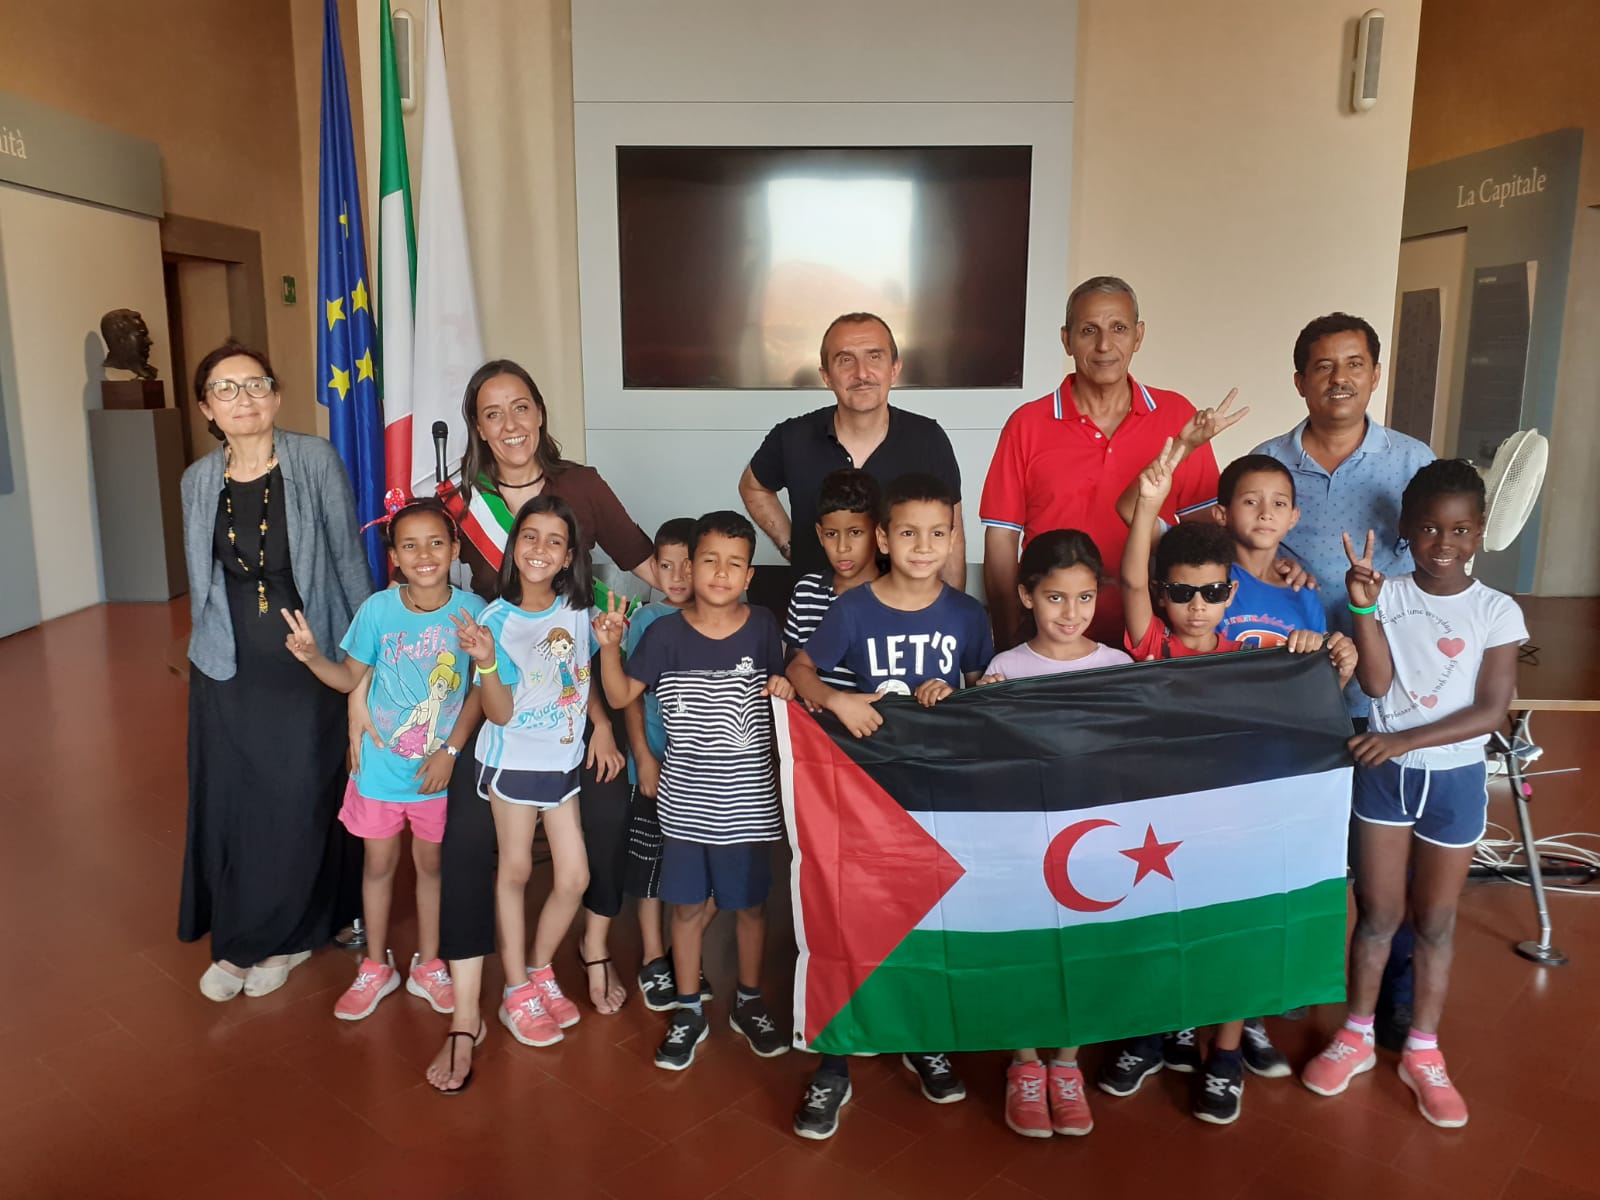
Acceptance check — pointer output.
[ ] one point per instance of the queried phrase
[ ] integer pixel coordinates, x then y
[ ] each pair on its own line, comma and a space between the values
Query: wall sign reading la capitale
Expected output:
1497, 192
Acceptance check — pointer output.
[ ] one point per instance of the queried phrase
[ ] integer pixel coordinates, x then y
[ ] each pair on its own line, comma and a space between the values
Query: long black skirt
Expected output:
266, 855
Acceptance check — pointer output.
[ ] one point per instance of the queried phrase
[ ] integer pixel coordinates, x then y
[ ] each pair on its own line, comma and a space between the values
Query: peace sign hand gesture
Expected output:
1209, 422
475, 639
610, 625
1155, 481
301, 642
1362, 581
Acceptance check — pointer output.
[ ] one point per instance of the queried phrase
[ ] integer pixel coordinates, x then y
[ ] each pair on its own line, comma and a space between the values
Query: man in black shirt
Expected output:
860, 363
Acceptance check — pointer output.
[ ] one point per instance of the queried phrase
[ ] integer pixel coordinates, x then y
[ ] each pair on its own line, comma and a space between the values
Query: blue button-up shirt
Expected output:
1363, 492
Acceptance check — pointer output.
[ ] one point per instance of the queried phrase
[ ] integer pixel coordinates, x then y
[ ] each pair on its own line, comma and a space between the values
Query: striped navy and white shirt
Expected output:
813, 595
718, 786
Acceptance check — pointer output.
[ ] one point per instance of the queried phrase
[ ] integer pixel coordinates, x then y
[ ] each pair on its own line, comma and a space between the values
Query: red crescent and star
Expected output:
1150, 859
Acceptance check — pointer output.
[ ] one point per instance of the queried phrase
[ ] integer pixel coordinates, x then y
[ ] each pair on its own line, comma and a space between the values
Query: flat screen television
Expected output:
735, 259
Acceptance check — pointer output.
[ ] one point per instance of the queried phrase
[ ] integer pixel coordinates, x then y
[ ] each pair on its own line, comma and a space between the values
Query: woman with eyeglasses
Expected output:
269, 523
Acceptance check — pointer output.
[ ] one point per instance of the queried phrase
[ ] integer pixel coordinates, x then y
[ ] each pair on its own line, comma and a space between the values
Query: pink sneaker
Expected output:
1069, 1103
523, 1013
1437, 1099
1347, 1056
564, 1011
1026, 1110
431, 981
373, 982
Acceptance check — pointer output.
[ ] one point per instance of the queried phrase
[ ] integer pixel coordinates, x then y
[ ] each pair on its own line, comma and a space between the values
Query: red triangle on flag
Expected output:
867, 874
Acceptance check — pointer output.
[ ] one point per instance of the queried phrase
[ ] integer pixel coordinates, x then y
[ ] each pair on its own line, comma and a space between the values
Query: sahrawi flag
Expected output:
1073, 859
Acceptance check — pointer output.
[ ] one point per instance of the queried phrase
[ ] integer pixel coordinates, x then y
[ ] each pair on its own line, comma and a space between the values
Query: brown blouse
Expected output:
601, 519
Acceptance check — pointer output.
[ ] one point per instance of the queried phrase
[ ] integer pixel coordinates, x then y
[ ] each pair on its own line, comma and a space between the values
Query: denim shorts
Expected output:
1448, 807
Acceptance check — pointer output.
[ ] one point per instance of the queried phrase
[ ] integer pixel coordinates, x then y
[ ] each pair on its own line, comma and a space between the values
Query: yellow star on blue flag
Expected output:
347, 339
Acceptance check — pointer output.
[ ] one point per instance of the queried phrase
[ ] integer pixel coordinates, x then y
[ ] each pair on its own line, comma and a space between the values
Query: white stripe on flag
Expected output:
1237, 843
449, 346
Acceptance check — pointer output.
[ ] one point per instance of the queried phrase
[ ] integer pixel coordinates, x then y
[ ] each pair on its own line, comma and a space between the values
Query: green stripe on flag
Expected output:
394, 172
946, 990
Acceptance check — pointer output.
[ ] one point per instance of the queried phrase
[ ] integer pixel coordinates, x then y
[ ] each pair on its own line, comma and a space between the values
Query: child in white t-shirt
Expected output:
1439, 660
1058, 581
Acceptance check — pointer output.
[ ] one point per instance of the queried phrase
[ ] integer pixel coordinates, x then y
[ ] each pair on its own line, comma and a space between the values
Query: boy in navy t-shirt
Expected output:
1256, 505
712, 666
909, 634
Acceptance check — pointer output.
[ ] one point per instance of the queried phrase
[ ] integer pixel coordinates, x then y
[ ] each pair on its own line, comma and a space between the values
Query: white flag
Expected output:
448, 346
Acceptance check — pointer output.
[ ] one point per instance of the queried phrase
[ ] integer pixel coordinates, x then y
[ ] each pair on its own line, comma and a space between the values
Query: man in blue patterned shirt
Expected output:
1349, 473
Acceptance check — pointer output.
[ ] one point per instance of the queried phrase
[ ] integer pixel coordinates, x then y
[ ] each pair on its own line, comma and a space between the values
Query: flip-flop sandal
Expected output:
606, 963
477, 1040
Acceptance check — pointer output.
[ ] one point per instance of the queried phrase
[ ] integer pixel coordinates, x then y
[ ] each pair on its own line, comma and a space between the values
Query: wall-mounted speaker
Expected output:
1369, 51
405, 58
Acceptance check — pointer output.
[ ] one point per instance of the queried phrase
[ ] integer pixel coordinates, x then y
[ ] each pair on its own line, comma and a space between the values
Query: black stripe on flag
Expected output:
1088, 738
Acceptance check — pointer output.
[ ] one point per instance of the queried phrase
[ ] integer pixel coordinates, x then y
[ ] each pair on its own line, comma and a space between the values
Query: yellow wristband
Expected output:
490, 669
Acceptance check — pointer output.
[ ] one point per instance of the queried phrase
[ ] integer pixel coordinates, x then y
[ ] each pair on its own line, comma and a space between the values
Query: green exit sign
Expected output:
288, 289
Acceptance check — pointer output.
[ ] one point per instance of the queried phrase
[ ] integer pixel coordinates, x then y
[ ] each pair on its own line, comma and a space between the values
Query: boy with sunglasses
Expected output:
1193, 587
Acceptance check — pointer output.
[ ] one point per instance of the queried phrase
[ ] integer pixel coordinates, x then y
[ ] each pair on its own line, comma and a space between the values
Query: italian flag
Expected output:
397, 268
1071, 859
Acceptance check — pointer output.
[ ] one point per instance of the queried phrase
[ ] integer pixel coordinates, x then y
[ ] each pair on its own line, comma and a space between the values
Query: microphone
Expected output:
441, 434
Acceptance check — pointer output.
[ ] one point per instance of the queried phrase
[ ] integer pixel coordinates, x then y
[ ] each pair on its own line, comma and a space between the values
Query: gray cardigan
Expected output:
330, 567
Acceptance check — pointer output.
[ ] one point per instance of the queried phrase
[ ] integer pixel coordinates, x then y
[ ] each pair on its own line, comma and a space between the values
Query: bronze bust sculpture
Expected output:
127, 342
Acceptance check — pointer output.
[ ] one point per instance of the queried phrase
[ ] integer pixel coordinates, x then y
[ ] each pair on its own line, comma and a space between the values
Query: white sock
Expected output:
1422, 1041
1363, 1026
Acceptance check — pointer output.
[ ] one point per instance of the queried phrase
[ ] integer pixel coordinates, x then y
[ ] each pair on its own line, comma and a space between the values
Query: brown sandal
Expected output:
477, 1040
606, 964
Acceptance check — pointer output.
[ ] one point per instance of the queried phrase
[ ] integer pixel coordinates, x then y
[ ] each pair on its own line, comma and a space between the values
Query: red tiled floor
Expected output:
117, 1078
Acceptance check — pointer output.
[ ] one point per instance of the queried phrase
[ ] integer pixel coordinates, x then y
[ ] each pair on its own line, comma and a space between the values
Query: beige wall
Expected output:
1489, 73
66, 264
1218, 168
231, 94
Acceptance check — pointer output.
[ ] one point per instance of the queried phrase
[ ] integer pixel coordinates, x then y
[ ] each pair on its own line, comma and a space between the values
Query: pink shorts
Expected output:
366, 818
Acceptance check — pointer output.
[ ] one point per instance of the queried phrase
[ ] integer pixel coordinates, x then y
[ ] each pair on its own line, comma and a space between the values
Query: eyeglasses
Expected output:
1211, 593
257, 387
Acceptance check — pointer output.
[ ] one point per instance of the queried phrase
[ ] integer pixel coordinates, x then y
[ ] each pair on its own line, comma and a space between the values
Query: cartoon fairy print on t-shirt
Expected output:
418, 735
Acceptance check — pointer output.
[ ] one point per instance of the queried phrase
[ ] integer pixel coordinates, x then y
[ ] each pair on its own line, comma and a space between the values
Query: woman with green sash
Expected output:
510, 459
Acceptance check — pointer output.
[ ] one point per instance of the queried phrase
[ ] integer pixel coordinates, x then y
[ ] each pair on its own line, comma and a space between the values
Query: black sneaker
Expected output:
1135, 1062
1181, 1052
1260, 1055
750, 1017
706, 994
817, 1118
688, 1030
657, 986
1392, 1026
939, 1081
1218, 1098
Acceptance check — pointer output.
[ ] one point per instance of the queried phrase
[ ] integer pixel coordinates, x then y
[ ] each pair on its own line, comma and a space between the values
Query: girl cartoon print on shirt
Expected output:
560, 646
417, 735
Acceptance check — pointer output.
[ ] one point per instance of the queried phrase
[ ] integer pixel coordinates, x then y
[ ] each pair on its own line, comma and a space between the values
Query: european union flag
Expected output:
347, 336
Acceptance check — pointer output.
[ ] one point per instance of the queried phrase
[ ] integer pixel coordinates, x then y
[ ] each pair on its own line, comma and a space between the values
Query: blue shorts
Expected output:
1446, 807
535, 789
738, 876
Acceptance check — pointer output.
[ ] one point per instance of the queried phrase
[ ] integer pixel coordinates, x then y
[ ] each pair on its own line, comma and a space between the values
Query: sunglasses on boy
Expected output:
1211, 593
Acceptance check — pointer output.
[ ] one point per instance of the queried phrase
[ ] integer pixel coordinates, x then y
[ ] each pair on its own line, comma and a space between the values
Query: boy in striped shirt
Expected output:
712, 666
847, 527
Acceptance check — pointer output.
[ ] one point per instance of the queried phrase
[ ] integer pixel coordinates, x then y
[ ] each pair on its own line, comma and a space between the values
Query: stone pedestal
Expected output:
138, 465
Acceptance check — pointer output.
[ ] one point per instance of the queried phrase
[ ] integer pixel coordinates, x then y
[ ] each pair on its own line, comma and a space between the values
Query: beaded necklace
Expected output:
233, 536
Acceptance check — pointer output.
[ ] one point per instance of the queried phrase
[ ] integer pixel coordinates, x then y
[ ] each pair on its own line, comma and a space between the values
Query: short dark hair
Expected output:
725, 522
1339, 322
856, 318
208, 364
414, 506
1056, 550
1443, 477
1109, 285
1193, 544
913, 487
849, 491
1250, 464
675, 532
574, 584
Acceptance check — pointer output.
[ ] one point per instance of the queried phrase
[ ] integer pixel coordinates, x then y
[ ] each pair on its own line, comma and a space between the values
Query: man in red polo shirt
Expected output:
1063, 460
